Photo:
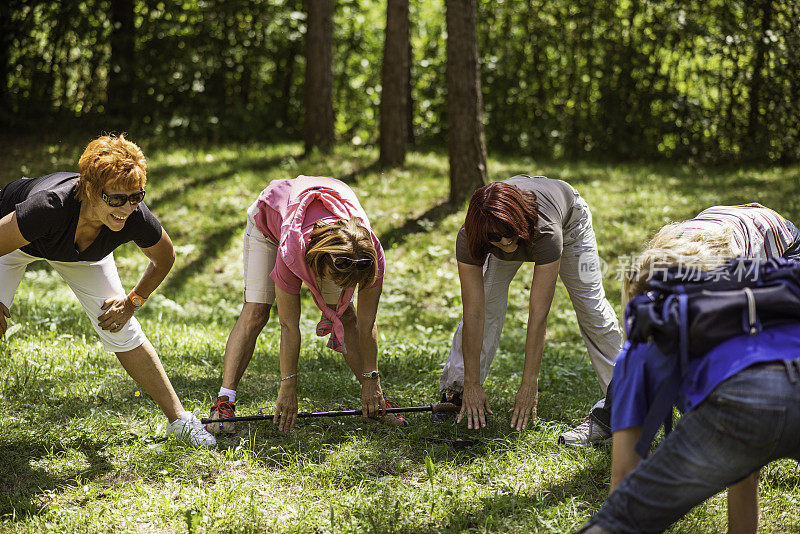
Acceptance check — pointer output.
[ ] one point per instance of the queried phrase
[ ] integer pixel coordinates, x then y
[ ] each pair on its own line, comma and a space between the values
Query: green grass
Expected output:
81, 451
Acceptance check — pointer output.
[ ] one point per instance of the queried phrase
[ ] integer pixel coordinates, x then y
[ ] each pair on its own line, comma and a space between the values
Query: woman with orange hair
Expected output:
544, 221
74, 221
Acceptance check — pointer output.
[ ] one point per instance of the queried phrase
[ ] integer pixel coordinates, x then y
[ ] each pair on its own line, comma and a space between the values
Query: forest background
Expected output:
708, 80
653, 110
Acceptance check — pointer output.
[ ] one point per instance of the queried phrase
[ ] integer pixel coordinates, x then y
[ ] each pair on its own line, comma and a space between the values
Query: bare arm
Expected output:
162, 258
289, 316
364, 359
743, 506
624, 458
10, 237
10, 240
543, 287
118, 310
474, 401
368, 299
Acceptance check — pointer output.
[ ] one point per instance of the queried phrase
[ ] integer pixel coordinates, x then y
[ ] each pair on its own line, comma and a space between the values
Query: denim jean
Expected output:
748, 421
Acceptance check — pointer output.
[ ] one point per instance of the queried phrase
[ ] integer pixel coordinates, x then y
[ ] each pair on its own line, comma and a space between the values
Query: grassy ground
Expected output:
81, 449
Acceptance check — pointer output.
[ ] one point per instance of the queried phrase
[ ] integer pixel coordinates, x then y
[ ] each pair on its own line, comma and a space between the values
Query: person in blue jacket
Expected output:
741, 404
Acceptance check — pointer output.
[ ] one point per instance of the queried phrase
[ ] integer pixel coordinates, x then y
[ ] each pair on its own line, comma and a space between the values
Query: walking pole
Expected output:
445, 407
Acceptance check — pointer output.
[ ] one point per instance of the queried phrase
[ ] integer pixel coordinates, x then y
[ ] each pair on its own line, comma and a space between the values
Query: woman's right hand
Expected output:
473, 404
286, 407
3, 314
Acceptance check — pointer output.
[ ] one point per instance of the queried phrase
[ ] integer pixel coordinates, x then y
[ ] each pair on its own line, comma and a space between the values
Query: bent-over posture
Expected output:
308, 230
74, 221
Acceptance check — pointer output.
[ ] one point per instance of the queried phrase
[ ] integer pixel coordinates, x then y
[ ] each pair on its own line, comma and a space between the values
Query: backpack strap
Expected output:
750, 321
660, 411
683, 331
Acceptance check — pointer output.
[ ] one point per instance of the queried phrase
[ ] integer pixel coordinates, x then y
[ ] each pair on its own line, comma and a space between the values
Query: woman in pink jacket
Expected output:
310, 230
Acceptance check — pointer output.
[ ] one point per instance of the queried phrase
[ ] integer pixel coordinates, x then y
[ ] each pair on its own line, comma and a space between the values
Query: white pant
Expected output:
92, 282
581, 274
259, 256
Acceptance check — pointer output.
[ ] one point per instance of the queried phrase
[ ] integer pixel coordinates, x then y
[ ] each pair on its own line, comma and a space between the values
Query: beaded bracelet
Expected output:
288, 377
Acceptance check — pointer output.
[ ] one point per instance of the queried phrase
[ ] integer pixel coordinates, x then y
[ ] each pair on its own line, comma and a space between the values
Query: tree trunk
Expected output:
755, 135
394, 83
287, 82
465, 143
120, 73
409, 98
6, 36
319, 76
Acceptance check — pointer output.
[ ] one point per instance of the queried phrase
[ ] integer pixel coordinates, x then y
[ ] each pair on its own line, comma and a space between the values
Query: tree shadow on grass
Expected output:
532, 506
777, 191
352, 177
212, 246
588, 486
171, 193
21, 482
423, 223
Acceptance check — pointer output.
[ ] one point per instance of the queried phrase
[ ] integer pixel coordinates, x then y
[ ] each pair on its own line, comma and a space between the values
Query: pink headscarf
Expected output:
291, 198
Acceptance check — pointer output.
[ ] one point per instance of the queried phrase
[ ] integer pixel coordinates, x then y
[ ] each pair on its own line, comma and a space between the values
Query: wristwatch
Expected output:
137, 300
373, 375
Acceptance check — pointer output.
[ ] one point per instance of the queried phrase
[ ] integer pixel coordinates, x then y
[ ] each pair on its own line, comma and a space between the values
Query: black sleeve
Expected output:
39, 215
146, 230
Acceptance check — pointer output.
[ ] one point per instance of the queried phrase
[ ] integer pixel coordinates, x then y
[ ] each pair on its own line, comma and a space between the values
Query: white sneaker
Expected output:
187, 426
586, 434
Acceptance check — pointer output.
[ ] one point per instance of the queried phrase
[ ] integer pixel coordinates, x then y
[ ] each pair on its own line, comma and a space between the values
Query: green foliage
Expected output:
635, 79
80, 451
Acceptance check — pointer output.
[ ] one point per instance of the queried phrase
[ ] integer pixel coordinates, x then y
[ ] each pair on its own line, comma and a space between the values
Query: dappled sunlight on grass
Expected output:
82, 451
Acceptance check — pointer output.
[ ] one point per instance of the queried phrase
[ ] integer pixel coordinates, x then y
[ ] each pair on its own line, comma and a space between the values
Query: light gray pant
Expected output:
581, 274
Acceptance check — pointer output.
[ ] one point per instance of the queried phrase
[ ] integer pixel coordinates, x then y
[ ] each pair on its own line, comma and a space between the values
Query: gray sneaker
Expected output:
585, 434
188, 427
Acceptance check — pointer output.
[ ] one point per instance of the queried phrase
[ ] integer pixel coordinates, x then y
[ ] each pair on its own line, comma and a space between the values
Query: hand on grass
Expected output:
286, 407
524, 410
372, 402
118, 311
3, 314
473, 404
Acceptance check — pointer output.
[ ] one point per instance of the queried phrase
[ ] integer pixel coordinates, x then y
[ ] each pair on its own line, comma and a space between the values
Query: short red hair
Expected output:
502, 208
110, 159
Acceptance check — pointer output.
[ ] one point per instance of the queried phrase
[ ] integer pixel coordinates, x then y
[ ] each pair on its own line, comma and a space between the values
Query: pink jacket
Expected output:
290, 198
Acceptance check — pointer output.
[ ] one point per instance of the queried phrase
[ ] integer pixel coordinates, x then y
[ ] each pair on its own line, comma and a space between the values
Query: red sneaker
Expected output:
391, 419
222, 408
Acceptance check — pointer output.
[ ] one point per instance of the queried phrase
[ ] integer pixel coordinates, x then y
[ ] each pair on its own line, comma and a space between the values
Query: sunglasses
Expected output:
116, 201
496, 237
344, 263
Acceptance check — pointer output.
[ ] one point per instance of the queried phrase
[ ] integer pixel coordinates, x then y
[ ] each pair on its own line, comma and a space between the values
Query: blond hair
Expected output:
345, 237
110, 159
676, 244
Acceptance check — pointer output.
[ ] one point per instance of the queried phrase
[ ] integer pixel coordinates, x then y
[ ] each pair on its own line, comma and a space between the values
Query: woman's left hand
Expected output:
372, 402
525, 406
118, 311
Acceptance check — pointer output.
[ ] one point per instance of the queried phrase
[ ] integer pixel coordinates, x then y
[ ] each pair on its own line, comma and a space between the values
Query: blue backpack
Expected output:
686, 312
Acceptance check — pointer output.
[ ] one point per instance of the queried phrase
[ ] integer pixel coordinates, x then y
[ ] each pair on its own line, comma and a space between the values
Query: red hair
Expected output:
110, 159
501, 208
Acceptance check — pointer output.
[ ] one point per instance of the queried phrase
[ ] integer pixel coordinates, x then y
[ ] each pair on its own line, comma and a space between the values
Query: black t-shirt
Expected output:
47, 213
